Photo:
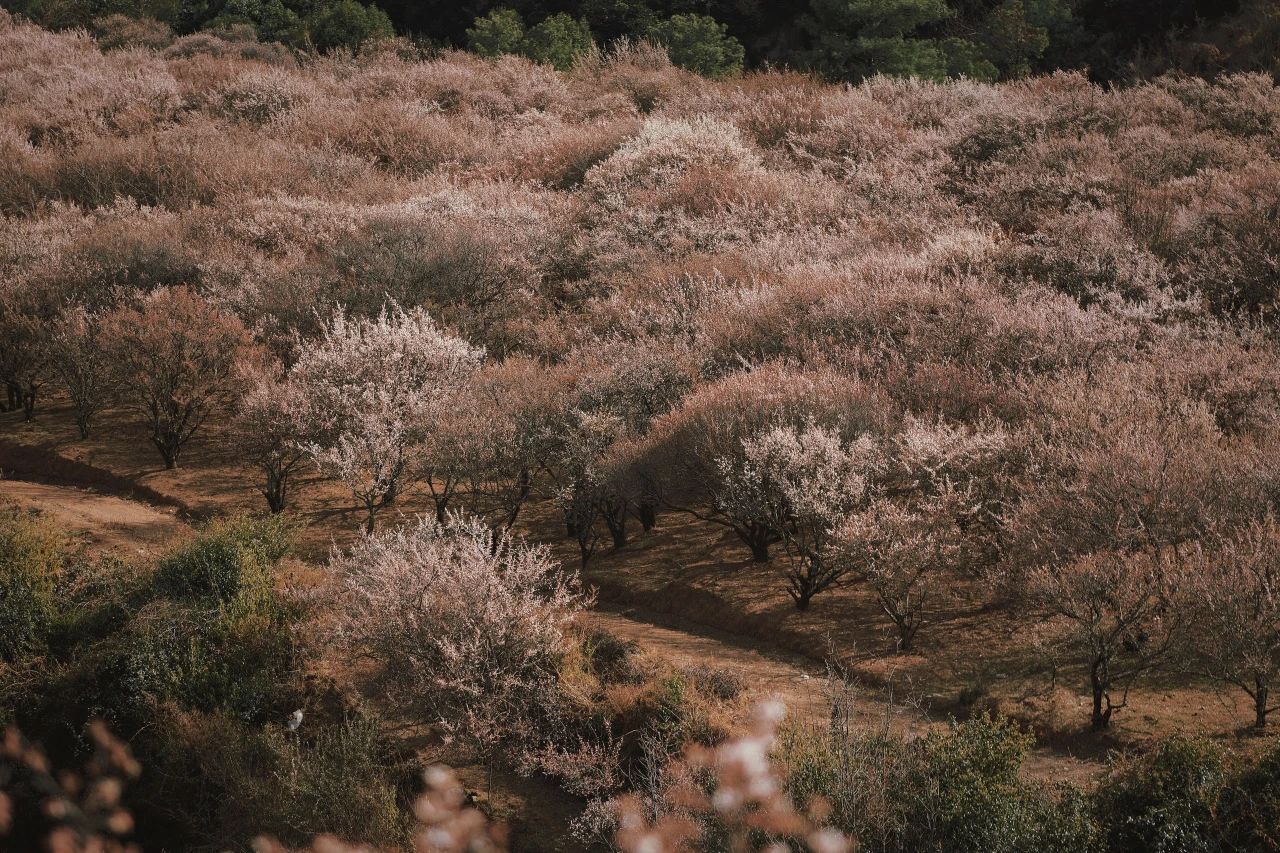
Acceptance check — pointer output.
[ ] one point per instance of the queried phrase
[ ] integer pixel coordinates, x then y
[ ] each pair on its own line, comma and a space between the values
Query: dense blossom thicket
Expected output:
902, 335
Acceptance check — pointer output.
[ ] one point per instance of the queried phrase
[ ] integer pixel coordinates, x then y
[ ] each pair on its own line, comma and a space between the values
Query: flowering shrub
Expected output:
370, 389
470, 623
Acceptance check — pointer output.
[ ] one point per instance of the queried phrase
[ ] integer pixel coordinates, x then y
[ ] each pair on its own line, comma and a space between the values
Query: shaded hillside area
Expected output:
542, 422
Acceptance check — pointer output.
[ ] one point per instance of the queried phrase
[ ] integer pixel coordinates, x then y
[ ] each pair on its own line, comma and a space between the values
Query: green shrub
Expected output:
238, 781
970, 785
1163, 801
557, 41
701, 44
31, 560
271, 19
235, 659
1248, 812
496, 34
217, 637
347, 24
226, 560
958, 790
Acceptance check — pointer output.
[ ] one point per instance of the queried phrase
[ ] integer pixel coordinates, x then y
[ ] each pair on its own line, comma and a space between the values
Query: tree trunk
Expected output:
617, 531
1101, 718
906, 636
28, 402
758, 539
524, 487
275, 492
615, 518
168, 452
1260, 695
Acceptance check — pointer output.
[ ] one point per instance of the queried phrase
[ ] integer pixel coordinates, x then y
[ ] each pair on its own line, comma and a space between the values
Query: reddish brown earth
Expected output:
684, 591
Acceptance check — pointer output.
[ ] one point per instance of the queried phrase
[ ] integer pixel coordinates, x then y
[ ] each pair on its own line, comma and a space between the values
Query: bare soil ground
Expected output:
685, 591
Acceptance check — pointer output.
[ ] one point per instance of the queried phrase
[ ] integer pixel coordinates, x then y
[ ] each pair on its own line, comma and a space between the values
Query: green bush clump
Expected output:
215, 635
701, 44
235, 659
32, 555
496, 34
559, 40
1248, 811
958, 790
347, 24
226, 560
246, 781
1165, 800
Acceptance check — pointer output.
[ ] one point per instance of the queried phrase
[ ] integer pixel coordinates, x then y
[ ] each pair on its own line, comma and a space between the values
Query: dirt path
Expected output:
101, 522
798, 682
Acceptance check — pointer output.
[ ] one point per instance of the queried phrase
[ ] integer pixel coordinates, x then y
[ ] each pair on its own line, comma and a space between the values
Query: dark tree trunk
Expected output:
276, 491
614, 512
906, 636
1261, 694
168, 451
523, 488
758, 538
29, 402
1101, 718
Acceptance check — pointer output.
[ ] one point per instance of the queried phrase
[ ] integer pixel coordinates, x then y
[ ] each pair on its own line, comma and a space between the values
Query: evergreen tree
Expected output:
559, 41
854, 39
700, 44
347, 24
497, 33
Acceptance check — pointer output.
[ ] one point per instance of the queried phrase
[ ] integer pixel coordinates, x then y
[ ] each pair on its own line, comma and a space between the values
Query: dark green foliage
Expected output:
1164, 801
498, 33
236, 659
271, 19
854, 39
227, 559
958, 790
699, 43
239, 781
32, 554
1249, 809
558, 41
201, 651
848, 39
1012, 39
347, 24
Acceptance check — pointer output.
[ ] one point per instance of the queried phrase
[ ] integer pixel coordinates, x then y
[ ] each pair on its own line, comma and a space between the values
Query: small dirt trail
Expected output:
101, 522
798, 682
